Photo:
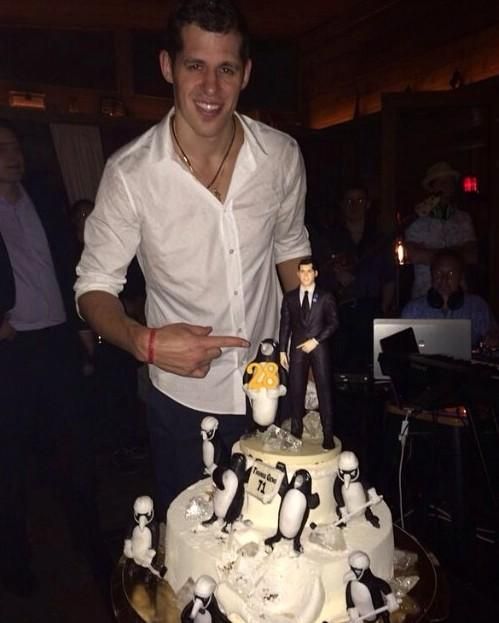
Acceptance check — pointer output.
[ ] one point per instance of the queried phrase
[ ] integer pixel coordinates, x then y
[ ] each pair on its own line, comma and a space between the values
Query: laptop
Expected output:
443, 336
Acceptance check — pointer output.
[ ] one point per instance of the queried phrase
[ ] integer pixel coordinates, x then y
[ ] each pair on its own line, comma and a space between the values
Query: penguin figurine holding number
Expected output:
264, 382
366, 593
204, 607
215, 452
351, 495
228, 498
297, 500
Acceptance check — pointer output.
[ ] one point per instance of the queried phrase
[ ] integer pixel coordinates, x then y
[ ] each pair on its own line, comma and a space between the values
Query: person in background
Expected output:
78, 214
446, 298
39, 376
357, 264
211, 202
440, 224
111, 373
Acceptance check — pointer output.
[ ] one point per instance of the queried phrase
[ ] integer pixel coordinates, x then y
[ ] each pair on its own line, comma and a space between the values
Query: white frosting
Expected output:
322, 466
255, 586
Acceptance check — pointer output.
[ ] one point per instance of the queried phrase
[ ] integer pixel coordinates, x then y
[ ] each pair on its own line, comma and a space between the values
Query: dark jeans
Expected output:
40, 411
176, 444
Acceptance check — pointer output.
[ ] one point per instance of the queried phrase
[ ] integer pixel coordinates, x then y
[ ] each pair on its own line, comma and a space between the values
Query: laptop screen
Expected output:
443, 336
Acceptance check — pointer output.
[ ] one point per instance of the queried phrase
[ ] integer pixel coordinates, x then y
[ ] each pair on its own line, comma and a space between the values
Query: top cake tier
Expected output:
321, 464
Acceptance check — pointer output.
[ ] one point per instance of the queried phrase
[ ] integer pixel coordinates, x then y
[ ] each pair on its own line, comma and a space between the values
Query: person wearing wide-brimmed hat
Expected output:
440, 224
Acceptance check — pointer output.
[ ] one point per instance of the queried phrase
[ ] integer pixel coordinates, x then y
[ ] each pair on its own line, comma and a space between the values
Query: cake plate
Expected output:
139, 597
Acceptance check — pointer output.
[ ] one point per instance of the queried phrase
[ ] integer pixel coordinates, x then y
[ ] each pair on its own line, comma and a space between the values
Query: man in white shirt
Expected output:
211, 202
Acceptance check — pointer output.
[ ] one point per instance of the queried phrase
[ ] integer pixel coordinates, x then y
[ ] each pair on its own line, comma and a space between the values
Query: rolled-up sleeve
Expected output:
112, 235
291, 236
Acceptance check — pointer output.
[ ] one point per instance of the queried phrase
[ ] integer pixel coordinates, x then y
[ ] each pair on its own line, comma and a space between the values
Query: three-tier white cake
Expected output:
279, 585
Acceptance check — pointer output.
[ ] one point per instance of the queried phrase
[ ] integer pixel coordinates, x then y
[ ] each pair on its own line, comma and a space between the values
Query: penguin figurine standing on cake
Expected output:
203, 608
228, 498
215, 452
368, 597
296, 501
350, 494
264, 382
141, 544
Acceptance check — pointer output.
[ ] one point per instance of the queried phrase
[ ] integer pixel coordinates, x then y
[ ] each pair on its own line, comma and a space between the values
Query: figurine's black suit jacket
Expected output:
320, 324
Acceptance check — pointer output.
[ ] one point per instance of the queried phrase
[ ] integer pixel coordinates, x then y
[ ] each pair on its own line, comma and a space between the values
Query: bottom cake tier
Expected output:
280, 586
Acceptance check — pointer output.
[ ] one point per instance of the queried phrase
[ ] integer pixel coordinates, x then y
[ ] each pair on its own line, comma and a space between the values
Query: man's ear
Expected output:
166, 65
246, 74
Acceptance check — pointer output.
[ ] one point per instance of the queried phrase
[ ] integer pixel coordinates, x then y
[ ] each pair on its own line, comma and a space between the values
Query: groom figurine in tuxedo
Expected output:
308, 316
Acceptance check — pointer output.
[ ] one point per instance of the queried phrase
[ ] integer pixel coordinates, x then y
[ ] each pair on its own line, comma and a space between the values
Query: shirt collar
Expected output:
310, 289
163, 147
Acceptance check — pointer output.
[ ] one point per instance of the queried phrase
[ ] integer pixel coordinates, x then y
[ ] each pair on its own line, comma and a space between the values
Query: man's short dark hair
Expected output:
220, 16
445, 254
305, 261
355, 185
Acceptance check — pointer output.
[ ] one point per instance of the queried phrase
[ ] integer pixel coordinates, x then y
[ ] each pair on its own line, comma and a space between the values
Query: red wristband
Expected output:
150, 346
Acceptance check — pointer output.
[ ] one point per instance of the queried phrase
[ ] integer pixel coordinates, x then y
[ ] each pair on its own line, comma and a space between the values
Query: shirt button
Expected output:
236, 292
231, 251
239, 330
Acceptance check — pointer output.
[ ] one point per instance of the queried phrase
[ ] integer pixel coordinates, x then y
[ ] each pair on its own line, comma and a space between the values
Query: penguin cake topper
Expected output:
228, 498
141, 543
203, 608
264, 382
215, 452
368, 597
351, 494
297, 500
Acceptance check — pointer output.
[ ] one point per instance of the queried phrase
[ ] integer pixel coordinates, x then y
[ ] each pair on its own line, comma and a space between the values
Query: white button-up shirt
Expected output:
204, 262
310, 290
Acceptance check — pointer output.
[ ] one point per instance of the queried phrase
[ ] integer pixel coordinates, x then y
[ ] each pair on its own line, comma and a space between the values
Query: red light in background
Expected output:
470, 184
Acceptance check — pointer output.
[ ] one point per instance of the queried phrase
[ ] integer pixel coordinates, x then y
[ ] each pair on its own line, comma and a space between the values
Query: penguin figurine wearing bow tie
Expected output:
203, 607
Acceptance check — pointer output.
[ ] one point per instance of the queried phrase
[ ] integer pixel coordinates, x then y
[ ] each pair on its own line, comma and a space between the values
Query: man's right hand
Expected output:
186, 350
7, 331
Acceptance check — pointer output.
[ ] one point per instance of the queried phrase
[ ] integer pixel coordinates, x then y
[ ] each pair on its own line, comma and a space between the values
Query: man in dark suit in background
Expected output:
38, 368
308, 316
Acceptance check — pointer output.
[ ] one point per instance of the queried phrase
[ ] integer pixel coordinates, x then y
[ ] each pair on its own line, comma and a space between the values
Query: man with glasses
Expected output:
355, 263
